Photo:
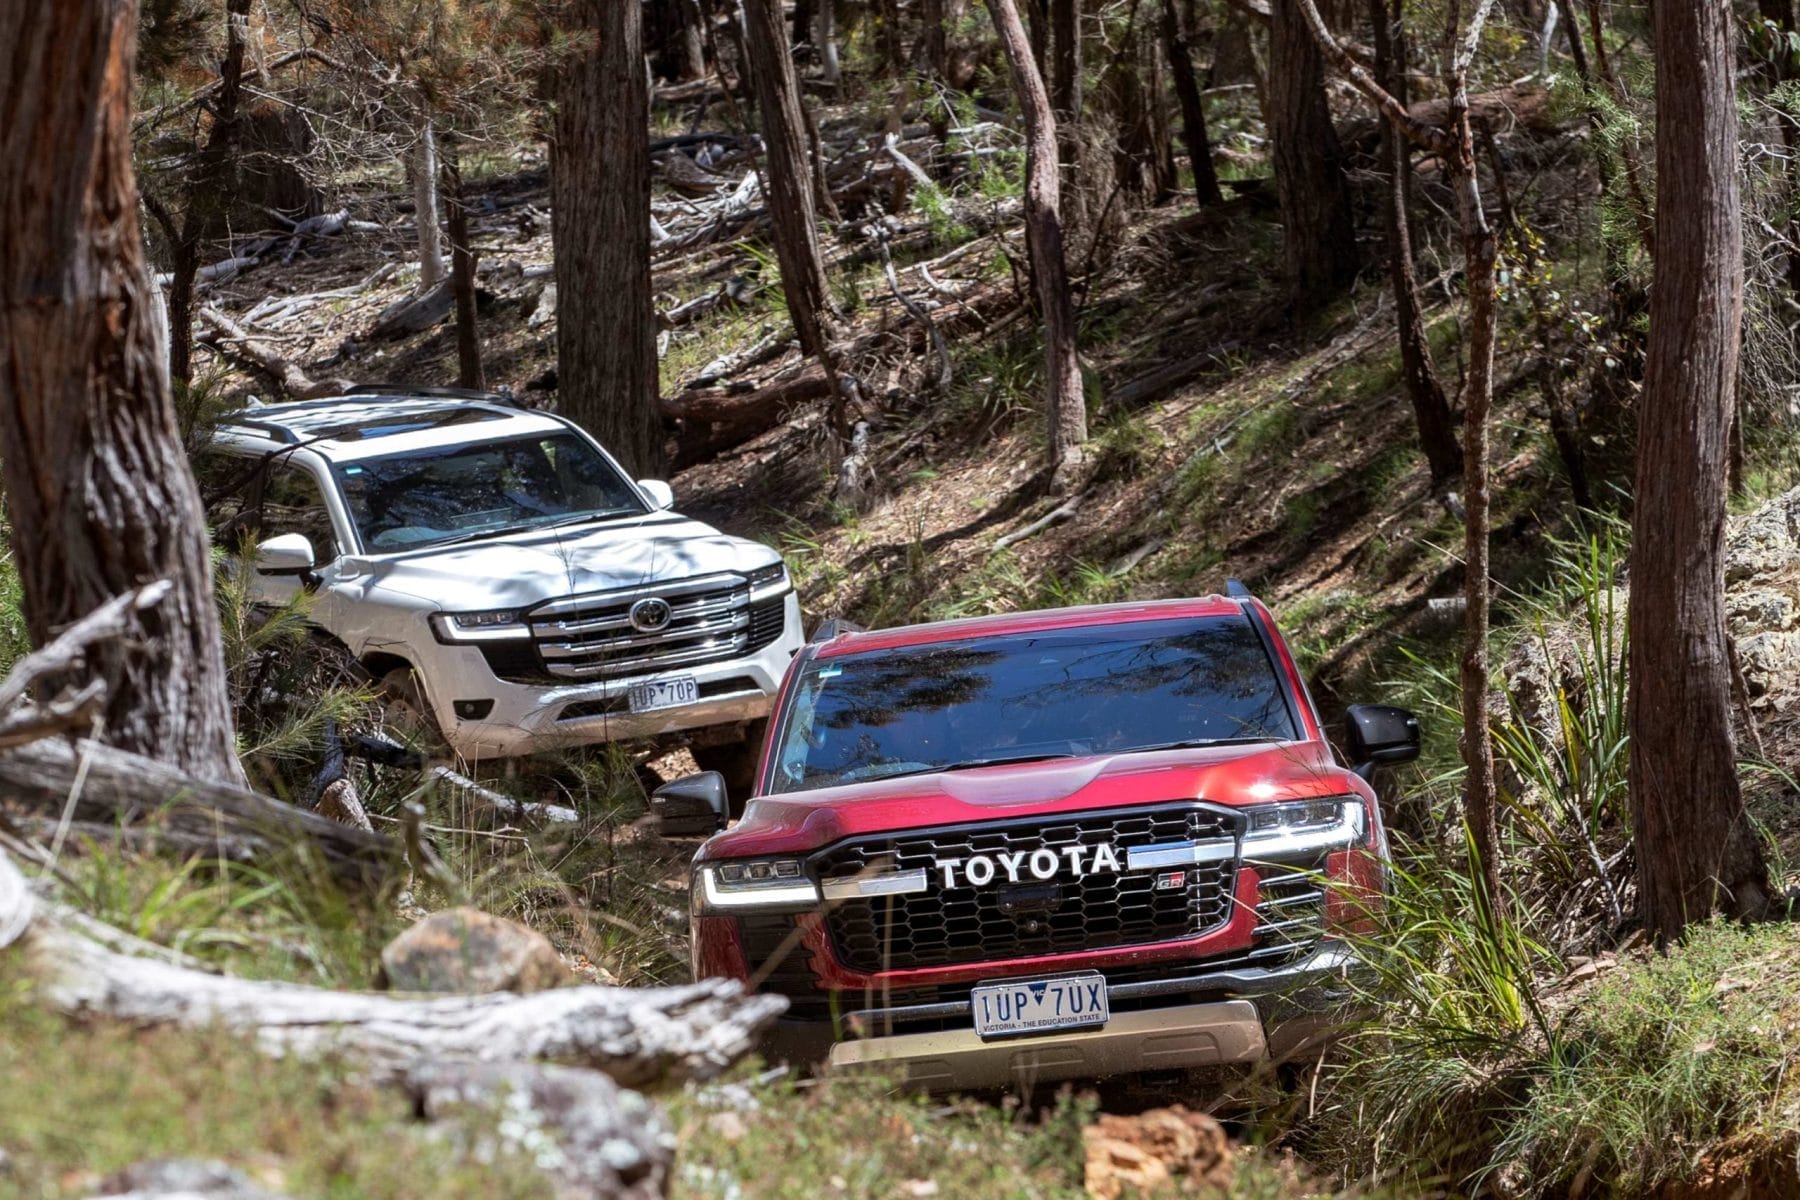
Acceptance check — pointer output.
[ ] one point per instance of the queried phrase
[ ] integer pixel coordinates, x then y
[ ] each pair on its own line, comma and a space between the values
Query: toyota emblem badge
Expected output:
651, 614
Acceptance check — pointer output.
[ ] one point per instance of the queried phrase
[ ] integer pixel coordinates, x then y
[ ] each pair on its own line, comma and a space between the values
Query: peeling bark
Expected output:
98, 490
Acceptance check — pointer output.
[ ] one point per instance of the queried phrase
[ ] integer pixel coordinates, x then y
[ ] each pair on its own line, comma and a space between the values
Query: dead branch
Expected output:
115, 788
157, 115
1061, 512
234, 341
917, 311
506, 806
634, 1035
74, 707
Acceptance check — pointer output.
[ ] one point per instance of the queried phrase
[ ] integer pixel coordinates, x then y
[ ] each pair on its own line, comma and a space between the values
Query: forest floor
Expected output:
1286, 458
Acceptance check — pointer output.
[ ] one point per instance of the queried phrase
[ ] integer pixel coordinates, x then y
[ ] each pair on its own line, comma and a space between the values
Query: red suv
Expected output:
1069, 843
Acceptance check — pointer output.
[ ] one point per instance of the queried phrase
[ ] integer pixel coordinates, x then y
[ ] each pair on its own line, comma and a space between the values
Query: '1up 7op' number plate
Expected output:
1020, 1007
663, 693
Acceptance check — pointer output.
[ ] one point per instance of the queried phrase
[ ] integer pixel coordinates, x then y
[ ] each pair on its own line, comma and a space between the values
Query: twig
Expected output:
918, 313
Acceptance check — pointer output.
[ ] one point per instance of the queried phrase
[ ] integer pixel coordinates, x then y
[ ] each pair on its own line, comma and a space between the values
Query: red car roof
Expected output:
1009, 624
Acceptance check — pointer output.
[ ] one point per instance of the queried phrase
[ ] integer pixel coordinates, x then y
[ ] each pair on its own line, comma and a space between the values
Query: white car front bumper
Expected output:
528, 718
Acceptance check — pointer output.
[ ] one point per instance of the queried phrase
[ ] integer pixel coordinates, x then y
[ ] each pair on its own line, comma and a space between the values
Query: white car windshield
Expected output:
467, 492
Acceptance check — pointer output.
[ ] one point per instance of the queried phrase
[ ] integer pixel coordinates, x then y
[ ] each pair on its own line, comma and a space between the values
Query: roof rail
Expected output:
831, 627
1237, 591
501, 394
280, 433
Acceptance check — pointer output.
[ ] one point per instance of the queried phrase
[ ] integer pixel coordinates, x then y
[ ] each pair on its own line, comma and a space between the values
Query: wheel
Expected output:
406, 714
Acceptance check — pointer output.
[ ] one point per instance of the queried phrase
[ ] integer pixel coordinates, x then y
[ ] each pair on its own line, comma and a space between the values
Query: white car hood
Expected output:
523, 569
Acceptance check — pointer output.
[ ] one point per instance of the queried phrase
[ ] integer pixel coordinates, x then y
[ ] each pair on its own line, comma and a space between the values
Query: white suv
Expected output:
500, 574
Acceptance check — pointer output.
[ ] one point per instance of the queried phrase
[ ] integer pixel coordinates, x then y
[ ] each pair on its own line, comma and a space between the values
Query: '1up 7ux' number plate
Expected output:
1019, 1007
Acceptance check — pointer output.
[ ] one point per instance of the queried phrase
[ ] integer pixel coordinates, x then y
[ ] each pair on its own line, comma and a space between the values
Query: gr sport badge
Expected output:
651, 615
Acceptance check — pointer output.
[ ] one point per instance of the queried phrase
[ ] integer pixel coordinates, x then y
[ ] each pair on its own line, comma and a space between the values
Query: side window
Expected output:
293, 503
227, 484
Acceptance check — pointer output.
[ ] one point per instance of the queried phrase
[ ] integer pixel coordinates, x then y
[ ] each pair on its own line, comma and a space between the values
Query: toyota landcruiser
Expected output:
1069, 843
506, 582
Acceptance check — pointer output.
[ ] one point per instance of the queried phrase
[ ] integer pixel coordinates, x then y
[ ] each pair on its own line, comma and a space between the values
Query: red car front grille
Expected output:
953, 922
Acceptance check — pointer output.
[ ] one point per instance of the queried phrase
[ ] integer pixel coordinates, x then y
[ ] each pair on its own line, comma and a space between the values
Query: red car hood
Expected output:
799, 822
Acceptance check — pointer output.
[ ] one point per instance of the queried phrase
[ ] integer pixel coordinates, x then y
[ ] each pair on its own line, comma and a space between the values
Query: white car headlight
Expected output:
761, 883
768, 581
494, 625
1299, 828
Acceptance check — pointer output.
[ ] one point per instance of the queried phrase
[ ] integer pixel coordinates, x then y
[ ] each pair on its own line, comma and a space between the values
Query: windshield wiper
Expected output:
1195, 744
478, 534
601, 514
971, 764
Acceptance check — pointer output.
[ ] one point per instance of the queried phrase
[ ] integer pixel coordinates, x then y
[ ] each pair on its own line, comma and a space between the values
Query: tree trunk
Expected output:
826, 23
1318, 233
600, 219
206, 194
98, 489
1066, 102
1780, 69
1067, 407
788, 174
1431, 408
1479, 255
693, 38
425, 208
462, 279
937, 40
1696, 851
1193, 108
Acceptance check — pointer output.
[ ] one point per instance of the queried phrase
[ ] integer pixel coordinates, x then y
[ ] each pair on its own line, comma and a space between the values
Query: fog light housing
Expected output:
472, 710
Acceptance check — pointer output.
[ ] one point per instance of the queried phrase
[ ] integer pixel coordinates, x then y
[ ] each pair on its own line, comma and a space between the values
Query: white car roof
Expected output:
345, 428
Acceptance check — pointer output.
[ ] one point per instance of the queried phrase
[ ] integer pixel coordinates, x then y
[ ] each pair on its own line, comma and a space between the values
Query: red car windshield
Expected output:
1064, 693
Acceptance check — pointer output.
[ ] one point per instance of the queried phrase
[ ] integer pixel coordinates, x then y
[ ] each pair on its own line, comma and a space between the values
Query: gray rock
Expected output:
591, 1136
1771, 663
1760, 610
539, 308
182, 1179
1765, 542
469, 951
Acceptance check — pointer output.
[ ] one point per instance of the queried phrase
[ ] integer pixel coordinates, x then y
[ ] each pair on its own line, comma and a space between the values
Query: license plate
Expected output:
663, 693
1020, 1007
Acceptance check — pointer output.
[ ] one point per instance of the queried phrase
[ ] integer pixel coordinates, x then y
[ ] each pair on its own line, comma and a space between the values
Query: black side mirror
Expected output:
691, 806
1379, 735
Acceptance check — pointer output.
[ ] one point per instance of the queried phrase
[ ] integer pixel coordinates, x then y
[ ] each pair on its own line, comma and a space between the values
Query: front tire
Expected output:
408, 716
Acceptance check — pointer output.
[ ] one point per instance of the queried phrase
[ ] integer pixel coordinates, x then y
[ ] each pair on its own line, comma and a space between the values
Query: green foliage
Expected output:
858, 1137
1665, 1055
936, 207
282, 918
1125, 447
1450, 1000
287, 679
996, 380
1574, 771
15, 643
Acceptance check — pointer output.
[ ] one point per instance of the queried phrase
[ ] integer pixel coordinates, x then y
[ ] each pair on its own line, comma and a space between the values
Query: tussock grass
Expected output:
82, 1101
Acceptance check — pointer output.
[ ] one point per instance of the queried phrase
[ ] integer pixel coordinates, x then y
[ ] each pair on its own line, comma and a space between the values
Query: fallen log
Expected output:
634, 1035
1516, 106
86, 781
1159, 382
707, 422
235, 342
